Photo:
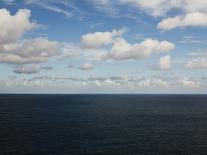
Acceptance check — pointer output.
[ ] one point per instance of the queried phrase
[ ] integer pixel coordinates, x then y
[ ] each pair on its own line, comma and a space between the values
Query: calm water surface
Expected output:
103, 124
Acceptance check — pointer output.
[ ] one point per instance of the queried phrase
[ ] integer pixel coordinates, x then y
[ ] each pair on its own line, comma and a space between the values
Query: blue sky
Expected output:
103, 46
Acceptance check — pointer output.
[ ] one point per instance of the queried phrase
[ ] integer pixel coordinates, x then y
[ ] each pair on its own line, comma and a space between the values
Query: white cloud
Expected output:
13, 49
197, 63
165, 62
98, 39
187, 82
86, 66
28, 51
123, 50
196, 19
13, 27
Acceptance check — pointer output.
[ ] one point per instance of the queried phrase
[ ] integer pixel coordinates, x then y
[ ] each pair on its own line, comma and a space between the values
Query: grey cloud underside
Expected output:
31, 69
29, 51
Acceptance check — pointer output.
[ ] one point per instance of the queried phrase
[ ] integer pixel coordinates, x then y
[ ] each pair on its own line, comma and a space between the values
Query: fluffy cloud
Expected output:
123, 50
12, 27
13, 50
86, 66
197, 63
196, 19
164, 62
28, 51
97, 39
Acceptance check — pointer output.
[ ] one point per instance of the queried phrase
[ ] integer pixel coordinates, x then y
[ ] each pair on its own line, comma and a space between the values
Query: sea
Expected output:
103, 124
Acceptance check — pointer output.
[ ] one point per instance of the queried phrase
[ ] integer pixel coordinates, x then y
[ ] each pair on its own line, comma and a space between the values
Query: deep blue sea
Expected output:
103, 124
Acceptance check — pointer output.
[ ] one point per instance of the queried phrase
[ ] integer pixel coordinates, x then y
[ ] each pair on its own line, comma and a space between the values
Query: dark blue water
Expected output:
103, 124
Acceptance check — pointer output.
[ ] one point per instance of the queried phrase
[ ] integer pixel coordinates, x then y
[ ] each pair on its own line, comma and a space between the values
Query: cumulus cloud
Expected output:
28, 51
190, 83
98, 39
86, 66
123, 50
196, 19
13, 27
14, 50
164, 62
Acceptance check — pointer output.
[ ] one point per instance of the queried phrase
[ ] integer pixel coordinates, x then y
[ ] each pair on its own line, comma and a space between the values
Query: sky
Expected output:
103, 46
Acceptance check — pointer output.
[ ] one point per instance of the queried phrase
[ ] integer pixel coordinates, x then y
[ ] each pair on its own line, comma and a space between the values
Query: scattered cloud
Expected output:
164, 62
50, 6
70, 66
123, 50
111, 8
13, 27
193, 40
33, 83
29, 51
12, 77
197, 60
14, 49
121, 81
197, 63
98, 39
30, 70
190, 83
155, 7
195, 19
153, 82
106, 6
27, 70
86, 66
